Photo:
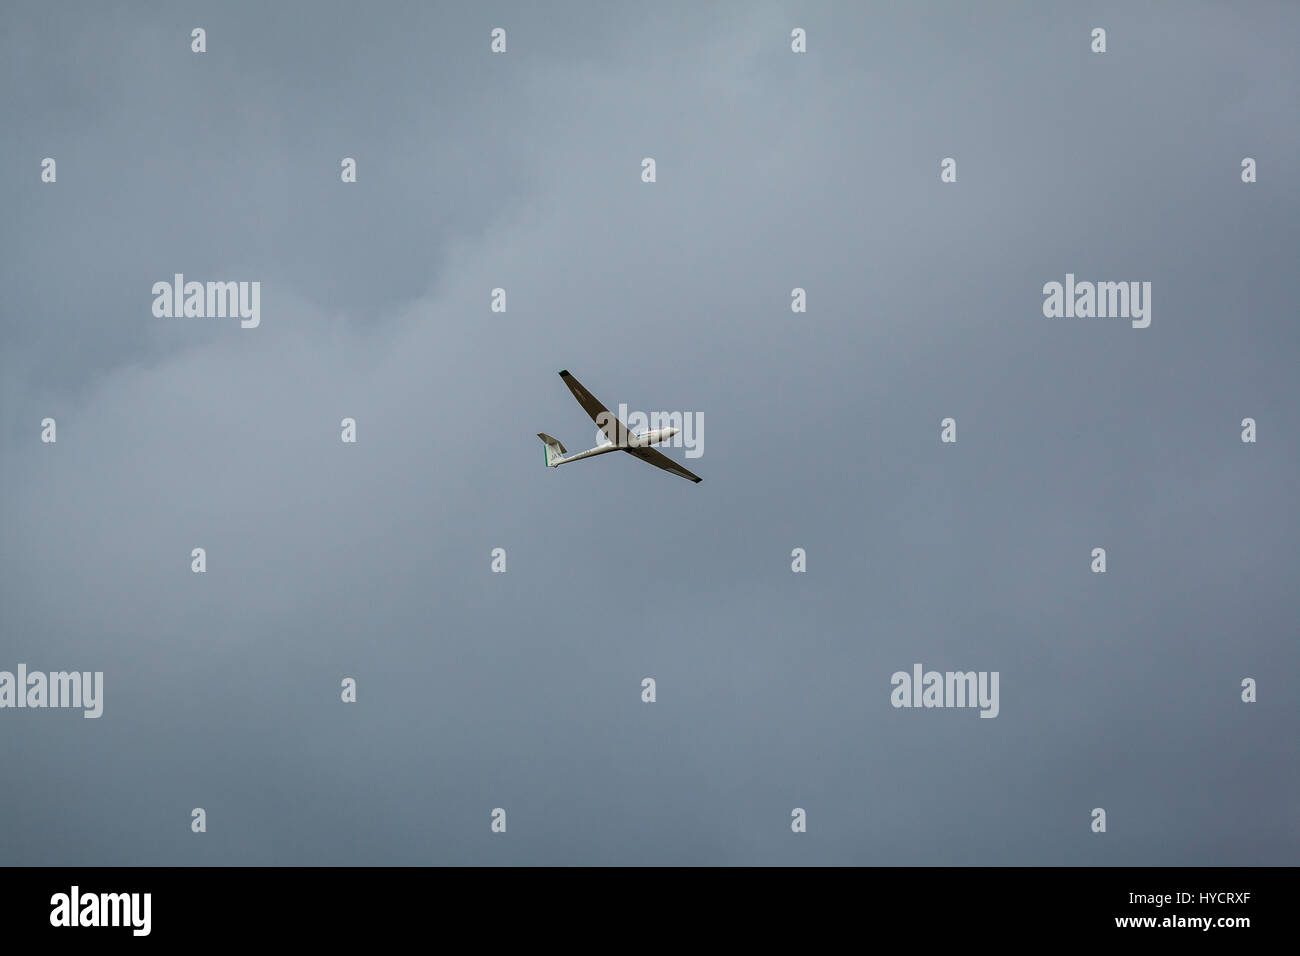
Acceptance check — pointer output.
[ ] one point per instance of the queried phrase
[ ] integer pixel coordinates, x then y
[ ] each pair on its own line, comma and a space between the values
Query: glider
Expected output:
620, 437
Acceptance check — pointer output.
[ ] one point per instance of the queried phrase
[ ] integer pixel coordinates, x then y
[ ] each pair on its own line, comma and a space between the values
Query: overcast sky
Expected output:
522, 690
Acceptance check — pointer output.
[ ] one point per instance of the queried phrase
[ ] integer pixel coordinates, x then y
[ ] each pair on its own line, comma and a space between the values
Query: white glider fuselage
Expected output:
642, 440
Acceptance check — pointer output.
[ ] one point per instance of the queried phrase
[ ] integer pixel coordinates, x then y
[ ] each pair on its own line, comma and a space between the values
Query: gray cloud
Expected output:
521, 690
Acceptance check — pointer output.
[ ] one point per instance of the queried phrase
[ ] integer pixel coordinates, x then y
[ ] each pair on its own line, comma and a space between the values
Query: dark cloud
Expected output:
522, 690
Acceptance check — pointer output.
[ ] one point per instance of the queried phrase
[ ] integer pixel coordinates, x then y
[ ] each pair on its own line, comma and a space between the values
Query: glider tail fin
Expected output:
554, 450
